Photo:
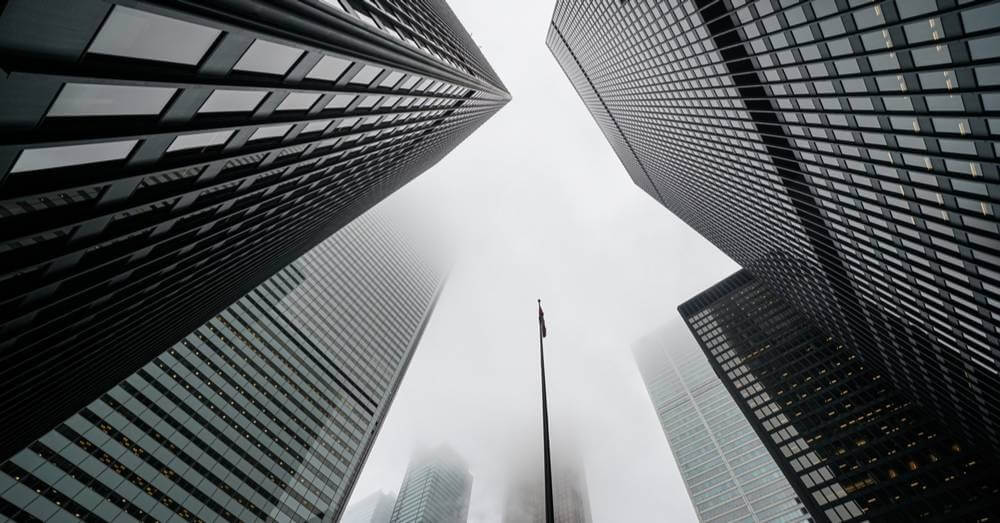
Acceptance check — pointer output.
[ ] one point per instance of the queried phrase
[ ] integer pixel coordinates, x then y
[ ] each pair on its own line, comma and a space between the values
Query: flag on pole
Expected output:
541, 319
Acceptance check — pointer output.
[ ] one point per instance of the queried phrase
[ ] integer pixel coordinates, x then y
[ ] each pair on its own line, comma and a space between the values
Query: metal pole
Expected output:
549, 508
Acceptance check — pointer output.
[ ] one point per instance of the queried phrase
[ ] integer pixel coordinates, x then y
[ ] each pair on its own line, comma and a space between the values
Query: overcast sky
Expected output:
545, 210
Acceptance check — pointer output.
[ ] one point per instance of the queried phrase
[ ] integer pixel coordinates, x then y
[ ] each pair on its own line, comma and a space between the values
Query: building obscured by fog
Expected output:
376, 508
436, 488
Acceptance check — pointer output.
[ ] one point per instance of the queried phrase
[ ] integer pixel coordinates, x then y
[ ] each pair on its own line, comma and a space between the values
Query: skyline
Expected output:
811, 186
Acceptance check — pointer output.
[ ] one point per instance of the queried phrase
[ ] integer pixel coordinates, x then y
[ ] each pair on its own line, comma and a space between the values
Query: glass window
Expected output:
199, 140
316, 126
369, 101
232, 101
271, 131
138, 34
409, 82
391, 79
981, 18
66, 155
341, 101
298, 101
366, 75
110, 100
329, 68
268, 58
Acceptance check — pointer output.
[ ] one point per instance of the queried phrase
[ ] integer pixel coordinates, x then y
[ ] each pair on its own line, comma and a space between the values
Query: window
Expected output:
329, 68
138, 34
271, 131
316, 126
110, 100
298, 101
199, 140
66, 155
366, 75
232, 101
268, 58
391, 79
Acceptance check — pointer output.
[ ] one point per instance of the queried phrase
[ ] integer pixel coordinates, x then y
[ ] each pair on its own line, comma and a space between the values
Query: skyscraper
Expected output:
376, 508
435, 489
851, 445
265, 412
728, 472
842, 152
524, 500
161, 158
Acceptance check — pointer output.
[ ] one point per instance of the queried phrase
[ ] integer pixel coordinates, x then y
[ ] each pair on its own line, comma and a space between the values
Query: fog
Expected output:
542, 208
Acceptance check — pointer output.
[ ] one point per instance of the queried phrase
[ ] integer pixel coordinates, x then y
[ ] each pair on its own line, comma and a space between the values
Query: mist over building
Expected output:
375, 508
436, 488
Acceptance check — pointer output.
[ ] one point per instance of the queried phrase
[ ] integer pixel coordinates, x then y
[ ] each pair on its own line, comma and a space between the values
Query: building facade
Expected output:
376, 508
524, 500
161, 158
842, 151
436, 489
728, 472
850, 444
265, 412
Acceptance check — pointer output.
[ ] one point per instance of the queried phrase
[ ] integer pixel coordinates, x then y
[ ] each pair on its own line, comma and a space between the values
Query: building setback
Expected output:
161, 158
435, 489
375, 508
265, 412
850, 444
842, 152
728, 472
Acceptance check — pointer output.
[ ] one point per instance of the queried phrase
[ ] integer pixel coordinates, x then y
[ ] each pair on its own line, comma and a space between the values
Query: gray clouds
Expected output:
542, 208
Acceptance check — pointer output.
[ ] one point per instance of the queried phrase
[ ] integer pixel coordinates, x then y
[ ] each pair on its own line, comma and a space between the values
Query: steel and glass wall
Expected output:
376, 508
435, 489
850, 444
161, 158
842, 151
265, 412
728, 472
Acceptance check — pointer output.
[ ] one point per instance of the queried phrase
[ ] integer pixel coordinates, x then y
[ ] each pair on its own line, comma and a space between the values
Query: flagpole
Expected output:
549, 508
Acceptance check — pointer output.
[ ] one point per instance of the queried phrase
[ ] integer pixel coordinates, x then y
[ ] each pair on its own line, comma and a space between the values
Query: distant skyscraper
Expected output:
436, 489
161, 158
842, 151
525, 497
266, 412
376, 508
848, 442
728, 472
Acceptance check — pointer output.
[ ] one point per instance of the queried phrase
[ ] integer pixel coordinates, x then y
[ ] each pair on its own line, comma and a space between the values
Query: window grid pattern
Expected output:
266, 412
436, 488
851, 445
202, 197
843, 151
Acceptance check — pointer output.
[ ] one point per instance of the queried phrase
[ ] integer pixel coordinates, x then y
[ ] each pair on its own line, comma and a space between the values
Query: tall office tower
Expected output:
839, 150
728, 472
160, 158
436, 489
850, 444
525, 496
265, 412
376, 508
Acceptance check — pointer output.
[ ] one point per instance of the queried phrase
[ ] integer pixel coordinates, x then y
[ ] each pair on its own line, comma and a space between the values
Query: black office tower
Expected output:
840, 150
160, 158
851, 446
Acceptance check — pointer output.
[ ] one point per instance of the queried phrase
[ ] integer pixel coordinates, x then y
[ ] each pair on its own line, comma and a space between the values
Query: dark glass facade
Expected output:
842, 151
436, 489
161, 158
850, 444
265, 412
728, 472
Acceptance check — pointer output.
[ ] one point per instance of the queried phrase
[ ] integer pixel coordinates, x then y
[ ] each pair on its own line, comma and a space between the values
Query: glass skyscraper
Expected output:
265, 412
851, 445
375, 508
844, 152
728, 472
161, 158
435, 489
524, 499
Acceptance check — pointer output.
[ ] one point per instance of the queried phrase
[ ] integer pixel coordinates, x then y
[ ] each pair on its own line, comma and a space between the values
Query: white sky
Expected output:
544, 210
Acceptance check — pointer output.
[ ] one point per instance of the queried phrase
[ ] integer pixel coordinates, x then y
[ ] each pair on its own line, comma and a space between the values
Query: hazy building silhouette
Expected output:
265, 412
850, 444
524, 499
843, 152
436, 488
375, 508
162, 158
728, 472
